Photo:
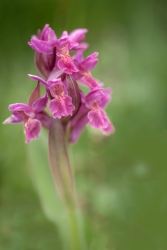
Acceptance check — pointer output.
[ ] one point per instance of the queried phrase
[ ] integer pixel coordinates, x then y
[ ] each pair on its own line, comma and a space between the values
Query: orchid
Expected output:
61, 103
44, 50
30, 114
60, 72
85, 66
92, 111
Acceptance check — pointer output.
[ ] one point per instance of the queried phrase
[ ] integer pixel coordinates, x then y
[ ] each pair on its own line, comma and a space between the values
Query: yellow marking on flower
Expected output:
87, 74
58, 91
26, 118
95, 105
64, 52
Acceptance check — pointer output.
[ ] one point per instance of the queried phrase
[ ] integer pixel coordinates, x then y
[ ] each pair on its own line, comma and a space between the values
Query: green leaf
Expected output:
42, 178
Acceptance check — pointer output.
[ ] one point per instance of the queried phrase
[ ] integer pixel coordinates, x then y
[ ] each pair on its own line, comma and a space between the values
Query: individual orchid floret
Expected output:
96, 100
45, 55
27, 114
44, 42
61, 103
76, 37
65, 61
85, 66
47, 46
92, 111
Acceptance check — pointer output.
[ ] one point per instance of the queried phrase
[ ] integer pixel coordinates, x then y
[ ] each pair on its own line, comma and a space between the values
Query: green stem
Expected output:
64, 181
77, 234
62, 210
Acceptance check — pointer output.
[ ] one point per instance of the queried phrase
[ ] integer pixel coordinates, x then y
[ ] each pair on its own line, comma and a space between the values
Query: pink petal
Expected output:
54, 74
98, 118
78, 57
77, 75
54, 82
62, 41
89, 81
32, 130
89, 62
37, 78
83, 110
21, 107
48, 34
109, 129
79, 46
41, 46
15, 118
77, 35
105, 98
46, 27
61, 106
65, 33
40, 104
66, 64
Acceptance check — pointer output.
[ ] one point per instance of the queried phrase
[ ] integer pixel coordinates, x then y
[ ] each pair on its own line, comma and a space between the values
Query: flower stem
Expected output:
64, 181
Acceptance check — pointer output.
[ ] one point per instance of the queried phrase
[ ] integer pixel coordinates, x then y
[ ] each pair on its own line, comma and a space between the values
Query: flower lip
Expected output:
61, 106
32, 129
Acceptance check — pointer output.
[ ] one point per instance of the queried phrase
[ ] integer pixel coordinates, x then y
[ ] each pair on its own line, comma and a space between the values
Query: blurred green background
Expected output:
122, 179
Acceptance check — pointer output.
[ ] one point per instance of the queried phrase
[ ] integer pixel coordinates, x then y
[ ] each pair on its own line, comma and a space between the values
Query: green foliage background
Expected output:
122, 179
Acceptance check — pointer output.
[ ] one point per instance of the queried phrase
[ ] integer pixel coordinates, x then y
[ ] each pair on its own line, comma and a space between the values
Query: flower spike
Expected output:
61, 63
